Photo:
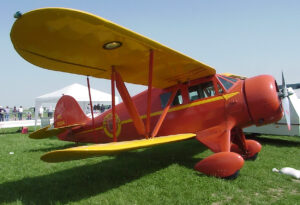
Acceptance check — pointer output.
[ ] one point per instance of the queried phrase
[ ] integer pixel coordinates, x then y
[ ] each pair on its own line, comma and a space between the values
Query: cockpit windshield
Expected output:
226, 81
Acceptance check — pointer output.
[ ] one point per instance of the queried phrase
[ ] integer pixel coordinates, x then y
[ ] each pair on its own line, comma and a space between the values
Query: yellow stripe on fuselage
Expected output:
88, 131
180, 107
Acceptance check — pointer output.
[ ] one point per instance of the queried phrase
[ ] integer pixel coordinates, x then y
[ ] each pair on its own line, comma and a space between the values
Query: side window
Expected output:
164, 98
202, 90
220, 88
178, 99
225, 83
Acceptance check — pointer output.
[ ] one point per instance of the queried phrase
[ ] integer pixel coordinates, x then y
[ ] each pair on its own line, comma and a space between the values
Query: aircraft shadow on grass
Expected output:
4, 131
277, 142
51, 148
86, 181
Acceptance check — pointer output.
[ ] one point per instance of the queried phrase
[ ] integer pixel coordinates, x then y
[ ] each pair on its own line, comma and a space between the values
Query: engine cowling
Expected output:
262, 98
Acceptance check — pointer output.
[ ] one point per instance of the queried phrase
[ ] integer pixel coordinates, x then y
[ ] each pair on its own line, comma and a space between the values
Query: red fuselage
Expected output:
198, 105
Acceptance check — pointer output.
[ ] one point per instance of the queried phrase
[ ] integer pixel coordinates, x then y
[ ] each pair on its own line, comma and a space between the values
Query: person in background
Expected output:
102, 108
20, 112
41, 112
15, 113
28, 115
1, 114
50, 112
88, 109
7, 111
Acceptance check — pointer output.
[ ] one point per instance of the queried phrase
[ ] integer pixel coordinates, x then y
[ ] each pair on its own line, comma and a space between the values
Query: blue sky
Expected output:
242, 37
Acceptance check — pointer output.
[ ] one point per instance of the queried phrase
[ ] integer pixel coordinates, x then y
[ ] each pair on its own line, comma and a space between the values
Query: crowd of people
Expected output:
101, 108
7, 113
97, 108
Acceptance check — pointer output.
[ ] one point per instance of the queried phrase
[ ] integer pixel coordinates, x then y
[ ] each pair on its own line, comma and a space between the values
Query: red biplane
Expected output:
184, 99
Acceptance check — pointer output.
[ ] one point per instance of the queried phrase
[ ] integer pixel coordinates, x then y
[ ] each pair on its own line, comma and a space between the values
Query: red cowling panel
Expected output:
222, 164
262, 98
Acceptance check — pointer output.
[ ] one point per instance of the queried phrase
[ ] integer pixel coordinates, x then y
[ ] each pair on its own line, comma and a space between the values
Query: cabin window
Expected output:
202, 90
225, 83
220, 88
178, 99
164, 98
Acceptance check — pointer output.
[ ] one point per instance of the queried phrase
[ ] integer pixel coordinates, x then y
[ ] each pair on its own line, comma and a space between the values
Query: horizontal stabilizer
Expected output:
83, 152
46, 132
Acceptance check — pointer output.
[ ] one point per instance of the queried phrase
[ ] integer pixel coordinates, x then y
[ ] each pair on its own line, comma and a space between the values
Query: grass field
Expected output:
158, 175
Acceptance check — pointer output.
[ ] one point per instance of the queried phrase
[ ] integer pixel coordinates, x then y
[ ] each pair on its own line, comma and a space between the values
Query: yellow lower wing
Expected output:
83, 152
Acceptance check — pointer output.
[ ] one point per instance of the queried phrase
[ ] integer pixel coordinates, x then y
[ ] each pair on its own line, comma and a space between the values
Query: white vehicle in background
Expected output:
280, 128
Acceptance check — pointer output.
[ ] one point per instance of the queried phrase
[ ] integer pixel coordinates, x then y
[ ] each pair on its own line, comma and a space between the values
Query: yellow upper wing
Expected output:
109, 148
72, 41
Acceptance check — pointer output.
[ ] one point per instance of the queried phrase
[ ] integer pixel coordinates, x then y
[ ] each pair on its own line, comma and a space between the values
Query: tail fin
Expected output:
68, 112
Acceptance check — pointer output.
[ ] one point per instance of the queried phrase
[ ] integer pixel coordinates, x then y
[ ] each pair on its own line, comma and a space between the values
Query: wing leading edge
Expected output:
72, 41
83, 152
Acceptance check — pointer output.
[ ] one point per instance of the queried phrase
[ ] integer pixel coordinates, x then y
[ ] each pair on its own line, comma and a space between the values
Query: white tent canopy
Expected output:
77, 91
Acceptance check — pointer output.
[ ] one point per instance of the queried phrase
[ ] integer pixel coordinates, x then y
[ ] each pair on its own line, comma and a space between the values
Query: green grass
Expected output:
158, 175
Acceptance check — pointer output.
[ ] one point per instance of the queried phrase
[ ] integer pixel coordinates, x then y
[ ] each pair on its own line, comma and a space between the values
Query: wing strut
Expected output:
163, 114
137, 121
91, 105
151, 55
116, 78
113, 103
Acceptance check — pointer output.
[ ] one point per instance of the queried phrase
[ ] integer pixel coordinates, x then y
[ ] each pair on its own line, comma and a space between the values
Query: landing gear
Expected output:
231, 149
221, 164
250, 152
248, 149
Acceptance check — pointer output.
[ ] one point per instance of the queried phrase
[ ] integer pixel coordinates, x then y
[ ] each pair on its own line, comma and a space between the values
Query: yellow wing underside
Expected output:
83, 152
72, 41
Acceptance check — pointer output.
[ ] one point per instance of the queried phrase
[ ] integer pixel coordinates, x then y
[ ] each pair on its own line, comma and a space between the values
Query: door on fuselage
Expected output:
207, 106
198, 105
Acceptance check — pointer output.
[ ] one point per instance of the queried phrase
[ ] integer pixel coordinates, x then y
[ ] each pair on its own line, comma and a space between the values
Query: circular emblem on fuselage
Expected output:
108, 125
